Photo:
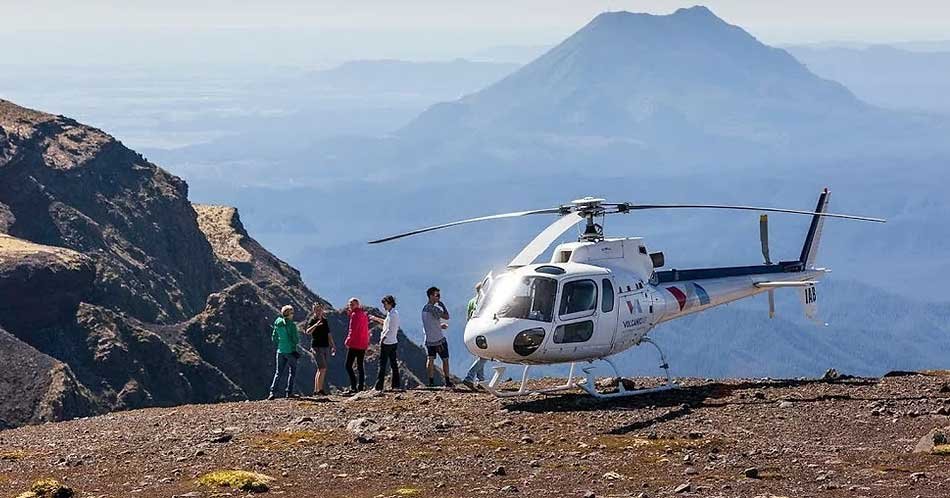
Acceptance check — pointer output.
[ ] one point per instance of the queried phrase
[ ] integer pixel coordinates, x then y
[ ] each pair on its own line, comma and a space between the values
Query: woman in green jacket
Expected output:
285, 337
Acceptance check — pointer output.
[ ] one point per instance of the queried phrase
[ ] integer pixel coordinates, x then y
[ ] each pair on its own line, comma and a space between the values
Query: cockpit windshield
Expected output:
529, 298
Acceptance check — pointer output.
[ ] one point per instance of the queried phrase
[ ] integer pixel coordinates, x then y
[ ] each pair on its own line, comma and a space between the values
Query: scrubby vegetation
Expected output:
237, 479
47, 488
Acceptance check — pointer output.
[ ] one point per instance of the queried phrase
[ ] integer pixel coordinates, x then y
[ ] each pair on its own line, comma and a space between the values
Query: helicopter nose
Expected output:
504, 339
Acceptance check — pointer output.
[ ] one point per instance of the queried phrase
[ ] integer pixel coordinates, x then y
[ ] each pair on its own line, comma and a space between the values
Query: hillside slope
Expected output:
110, 286
742, 437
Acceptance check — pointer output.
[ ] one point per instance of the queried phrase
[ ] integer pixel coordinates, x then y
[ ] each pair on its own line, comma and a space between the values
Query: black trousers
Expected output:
356, 355
387, 359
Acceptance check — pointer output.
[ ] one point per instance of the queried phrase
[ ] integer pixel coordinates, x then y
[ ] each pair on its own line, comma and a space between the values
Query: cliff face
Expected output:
116, 292
70, 185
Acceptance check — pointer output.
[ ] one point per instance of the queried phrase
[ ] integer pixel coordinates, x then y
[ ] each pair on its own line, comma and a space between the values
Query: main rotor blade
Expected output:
544, 239
750, 208
470, 220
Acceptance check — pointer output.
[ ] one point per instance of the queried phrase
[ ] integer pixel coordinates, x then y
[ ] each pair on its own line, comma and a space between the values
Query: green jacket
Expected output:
285, 335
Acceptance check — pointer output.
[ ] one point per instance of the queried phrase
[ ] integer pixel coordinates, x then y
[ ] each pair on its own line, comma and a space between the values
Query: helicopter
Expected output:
600, 296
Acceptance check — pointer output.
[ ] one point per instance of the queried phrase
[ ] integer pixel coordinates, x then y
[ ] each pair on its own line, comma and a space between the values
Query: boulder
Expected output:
934, 441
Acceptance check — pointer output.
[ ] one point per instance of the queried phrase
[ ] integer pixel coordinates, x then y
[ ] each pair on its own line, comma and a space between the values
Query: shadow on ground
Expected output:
685, 399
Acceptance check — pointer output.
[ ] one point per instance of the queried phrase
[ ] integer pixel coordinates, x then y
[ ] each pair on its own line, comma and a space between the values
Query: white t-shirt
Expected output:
390, 332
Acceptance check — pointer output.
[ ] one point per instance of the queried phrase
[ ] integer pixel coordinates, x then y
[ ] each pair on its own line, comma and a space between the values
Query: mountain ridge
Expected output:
119, 293
627, 74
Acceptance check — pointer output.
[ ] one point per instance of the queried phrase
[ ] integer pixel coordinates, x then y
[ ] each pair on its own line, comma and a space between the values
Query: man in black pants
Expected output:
388, 343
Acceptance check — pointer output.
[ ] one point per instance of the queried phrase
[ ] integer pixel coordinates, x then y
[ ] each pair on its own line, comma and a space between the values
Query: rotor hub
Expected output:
589, 207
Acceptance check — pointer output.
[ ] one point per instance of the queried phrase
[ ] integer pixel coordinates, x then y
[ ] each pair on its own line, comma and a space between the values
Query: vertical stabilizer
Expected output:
810, 249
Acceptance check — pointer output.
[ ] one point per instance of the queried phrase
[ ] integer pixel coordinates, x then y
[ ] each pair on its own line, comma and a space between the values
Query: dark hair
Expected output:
389, 299
432, 290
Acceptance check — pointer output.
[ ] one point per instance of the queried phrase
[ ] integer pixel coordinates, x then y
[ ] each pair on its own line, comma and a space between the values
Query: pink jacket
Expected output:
358, 335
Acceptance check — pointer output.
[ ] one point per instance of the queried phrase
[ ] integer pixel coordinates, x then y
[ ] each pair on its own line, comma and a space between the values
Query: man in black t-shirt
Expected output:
322, 346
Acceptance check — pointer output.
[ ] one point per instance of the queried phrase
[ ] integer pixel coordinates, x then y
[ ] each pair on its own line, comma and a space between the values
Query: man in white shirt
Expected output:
388, 343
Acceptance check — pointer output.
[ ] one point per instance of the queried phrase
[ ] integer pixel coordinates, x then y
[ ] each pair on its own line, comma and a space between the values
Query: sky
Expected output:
302, 32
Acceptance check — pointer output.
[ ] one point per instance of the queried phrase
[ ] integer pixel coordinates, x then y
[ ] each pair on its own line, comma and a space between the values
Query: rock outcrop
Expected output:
40, 285
117, 293
35, 387
73, 186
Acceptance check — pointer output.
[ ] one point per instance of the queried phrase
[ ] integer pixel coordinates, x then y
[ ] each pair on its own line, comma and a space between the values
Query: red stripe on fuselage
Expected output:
679, 295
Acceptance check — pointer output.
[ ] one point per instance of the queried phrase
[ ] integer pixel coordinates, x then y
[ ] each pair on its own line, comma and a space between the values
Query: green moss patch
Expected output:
237, 479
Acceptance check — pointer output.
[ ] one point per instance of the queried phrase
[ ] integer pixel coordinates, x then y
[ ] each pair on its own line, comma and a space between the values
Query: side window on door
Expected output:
578, 296
574, 332
608, 304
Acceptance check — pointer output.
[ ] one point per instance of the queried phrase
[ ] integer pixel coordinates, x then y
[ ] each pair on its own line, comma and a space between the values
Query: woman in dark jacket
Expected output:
322, 346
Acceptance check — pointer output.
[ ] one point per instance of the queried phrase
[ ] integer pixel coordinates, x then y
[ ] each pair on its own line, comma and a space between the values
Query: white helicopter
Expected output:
600, 296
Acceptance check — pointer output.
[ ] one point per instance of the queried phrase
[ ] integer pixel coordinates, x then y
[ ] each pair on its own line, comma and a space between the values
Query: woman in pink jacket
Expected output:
357, 342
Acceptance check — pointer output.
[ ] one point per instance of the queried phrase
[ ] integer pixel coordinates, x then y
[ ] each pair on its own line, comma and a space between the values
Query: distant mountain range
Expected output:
637, 76
886, 76
656, 86
435, 79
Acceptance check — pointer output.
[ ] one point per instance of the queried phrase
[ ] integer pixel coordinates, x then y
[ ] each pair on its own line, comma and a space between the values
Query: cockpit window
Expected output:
528, 298
578, 296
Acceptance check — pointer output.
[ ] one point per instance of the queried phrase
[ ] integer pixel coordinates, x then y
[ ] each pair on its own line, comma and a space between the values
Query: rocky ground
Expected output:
794, 438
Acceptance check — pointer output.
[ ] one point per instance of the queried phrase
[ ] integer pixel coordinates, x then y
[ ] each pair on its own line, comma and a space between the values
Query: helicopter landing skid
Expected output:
590, 386
523, 390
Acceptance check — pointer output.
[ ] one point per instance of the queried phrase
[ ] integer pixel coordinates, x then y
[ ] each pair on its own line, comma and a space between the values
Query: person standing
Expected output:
357, 342
285, 337
477, 371
322, 346
433, 314
388, 343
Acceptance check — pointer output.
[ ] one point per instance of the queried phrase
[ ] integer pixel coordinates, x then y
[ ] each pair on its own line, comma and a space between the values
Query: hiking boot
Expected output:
469, 384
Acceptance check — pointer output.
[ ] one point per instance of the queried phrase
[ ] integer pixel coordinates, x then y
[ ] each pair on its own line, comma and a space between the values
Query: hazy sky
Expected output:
294, 31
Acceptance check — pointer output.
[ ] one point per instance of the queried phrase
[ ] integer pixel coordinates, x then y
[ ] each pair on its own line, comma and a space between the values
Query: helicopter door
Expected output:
576, 332
609, 312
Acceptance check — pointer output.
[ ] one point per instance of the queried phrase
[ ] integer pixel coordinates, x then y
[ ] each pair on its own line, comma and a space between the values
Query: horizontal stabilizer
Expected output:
774, 285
